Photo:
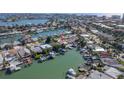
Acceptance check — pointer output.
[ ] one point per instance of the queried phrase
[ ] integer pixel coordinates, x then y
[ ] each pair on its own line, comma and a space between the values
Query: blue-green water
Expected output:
52, 69
24, 22
15, 37
9, 38
49, 33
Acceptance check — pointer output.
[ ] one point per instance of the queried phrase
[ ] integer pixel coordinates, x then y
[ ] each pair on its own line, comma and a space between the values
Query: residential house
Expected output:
25, 55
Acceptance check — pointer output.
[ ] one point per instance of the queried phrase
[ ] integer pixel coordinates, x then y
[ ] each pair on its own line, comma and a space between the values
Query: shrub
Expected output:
56, 48
37, 56
45, 51
120, 77
48, 40
121, 62
121, 69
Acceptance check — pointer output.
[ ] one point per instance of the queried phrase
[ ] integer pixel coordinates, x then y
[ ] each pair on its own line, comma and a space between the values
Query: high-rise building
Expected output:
123, 19
116, 17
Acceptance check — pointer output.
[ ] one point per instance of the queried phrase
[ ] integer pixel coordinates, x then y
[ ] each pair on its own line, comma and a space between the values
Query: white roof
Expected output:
99, 49
90, 42
94, 31
17, 47
23, 50
34, 39
27, 50
46, 46
36, 49
102, 25
68, 32
98, 75
84, 35
113, 72
16, 42
121, 26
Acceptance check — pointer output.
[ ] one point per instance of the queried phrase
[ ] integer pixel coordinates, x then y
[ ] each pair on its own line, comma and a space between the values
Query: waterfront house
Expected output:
36, 49
24, 54
26, 39
11, 57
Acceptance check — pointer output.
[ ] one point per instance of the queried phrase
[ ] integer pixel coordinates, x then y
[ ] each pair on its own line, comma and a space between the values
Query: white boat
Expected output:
17, 68
71, 72
14, 67
70, 76
52, 54
43, 58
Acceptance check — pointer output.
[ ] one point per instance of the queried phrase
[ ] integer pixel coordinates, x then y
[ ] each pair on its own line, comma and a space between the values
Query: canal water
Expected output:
16, 37
52, 69
9, 39
50, 33
24, 22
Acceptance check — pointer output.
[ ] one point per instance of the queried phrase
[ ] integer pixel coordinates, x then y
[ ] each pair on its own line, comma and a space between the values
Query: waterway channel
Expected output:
52, 69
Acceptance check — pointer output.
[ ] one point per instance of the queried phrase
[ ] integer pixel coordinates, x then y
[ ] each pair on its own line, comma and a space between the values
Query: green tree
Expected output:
56, 47
45, 51
82, 43
37, 56
48, 40
120, 77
